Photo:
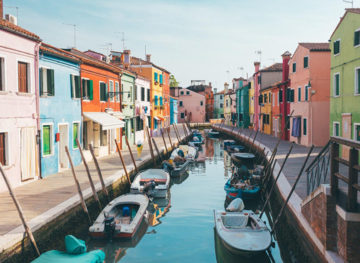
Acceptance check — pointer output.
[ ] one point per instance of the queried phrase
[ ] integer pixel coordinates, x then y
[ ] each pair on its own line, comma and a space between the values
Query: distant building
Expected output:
206, 90
242, 87
173, 110
218, 104
228, 104
142, 107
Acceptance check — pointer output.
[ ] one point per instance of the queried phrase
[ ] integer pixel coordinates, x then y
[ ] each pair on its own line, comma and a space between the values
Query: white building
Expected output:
142, 107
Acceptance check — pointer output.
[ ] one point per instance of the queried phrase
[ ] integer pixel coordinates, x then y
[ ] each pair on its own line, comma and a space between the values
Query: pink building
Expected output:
309, 95
191, 105
19, 126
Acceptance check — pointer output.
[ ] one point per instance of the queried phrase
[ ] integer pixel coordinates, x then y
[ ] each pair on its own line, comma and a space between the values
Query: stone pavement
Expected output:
43, 199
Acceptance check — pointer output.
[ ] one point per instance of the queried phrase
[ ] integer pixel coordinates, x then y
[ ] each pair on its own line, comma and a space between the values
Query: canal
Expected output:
181, 227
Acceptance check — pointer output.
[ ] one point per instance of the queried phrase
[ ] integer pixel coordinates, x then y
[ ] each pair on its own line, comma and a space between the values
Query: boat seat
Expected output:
235, 221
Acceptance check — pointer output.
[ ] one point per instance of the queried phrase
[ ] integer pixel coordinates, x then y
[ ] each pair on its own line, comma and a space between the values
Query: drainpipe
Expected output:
37, 98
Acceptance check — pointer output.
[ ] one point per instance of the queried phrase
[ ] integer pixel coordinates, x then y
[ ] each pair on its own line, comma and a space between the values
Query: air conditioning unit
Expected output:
12, 19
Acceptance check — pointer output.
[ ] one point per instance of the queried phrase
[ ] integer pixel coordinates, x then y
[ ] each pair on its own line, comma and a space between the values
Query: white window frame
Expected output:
3, 73
334, 123
101, 101
72, 134
334, 83
339, 47
7, 149
29, 70
84, 88
356, 80
73, 83
113, 90
44, 69
52, 138
354, 134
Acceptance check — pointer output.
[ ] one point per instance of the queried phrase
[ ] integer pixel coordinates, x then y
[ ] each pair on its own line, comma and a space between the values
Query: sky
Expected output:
215, 40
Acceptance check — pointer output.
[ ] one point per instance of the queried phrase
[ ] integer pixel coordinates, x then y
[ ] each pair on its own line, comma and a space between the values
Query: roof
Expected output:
12, 28
51, 50
316, 46
241, 78
347, 10
174, 98
273, 68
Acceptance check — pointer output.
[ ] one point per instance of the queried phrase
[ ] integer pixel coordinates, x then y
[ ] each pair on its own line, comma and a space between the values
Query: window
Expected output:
221, 97
336, 47
356, 133
357, 81
181, 93
306, 93
265, 98
336, 85
23, 77
188, 93
47, 85
182, 115
142, 94
357, 38
155, 77
180, 103
136, 93
161, 101
156, 100
201, 103
117, 90
129, 93
259, 79
290, 94
227, 103
111, 86
306, 62
103, 136
3, 149
2, 74
221, 105
85, 135
103, 91
74, 86
280, 96
304, 126
47, 139
336, 128
294, 67
299, 94
139, 124
269, 97
76, 134
148, 95
87, 88
161, 78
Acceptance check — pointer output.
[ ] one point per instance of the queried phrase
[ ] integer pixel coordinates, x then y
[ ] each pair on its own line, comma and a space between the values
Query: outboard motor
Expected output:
150, 186
109, 225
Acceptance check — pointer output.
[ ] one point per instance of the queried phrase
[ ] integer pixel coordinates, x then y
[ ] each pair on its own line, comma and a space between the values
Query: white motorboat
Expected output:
121, 218
189, 152
154, 182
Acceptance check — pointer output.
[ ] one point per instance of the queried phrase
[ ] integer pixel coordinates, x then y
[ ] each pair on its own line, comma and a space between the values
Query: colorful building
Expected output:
173, 110
310, 83
242, 102
218, 104
19, 127
227, 104
345, 77
142, 107
59, 88
128, 105
251, 102
101, 104
265, 110
200, 87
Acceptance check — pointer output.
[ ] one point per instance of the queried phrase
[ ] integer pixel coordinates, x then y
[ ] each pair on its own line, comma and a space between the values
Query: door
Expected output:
63, 141
27, 153
346, 133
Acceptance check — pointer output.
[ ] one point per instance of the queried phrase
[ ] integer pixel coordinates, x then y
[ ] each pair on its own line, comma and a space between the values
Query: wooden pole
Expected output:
21, 214
162, 135
150, 146
123, 163
276, 179
177, 130
157, 150
168, 132
185, 131
98, 170
176, 134
131, 154
89, 175
83, 204
292, 189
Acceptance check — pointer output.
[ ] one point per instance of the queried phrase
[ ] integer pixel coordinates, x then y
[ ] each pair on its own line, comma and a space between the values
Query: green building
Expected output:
242, 105
345, 77
128, 105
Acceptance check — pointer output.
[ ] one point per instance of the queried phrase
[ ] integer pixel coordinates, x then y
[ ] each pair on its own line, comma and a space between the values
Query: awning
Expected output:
105, 120
117, 114
159, 118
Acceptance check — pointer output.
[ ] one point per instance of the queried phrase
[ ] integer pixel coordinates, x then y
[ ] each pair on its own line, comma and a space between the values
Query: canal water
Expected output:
181, 227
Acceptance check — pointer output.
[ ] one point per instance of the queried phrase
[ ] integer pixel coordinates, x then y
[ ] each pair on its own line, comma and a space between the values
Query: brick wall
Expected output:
348, 242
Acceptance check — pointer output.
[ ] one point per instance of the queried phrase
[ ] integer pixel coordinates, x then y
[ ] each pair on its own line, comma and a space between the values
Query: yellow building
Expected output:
251, 102
265, 110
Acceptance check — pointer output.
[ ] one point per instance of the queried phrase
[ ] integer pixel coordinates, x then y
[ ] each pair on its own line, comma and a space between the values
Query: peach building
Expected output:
309, 96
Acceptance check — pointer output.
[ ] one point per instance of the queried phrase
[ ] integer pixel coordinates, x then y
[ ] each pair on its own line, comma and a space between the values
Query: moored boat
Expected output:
121, 218
180, 159
244, 159
213, 134
153, 182
234, 148
228, 142
241, 190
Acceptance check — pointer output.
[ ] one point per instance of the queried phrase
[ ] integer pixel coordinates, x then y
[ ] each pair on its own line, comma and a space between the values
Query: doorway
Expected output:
27, 153
63, 141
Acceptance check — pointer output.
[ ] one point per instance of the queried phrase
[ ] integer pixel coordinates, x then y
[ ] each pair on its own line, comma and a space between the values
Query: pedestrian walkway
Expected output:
45, 199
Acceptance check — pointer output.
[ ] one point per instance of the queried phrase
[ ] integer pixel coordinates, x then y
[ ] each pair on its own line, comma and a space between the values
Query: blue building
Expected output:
60, 108
173, 110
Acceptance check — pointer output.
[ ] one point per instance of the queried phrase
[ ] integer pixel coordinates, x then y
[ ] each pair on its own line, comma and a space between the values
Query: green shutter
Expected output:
46, 140
356, 38
83, 87
294, 67
71, 86
41, 82
357, 80
50, 82
337, 47
337, 85
357, 135
299, 94
90, 89
306, 93
306, 62
304, 126
77, 86
75, 134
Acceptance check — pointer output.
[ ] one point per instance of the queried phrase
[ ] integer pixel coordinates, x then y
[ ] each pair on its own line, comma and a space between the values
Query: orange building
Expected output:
101, 105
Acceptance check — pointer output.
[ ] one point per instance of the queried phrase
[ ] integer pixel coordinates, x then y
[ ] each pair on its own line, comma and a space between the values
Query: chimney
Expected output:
126, 58
1, 10
285, 65
257, 66
226, 87
148, 57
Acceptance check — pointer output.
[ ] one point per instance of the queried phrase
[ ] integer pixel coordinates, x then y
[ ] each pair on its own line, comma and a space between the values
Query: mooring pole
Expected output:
89, 175
131, 154
157, 150
150, 146
185, 131
276, 179
98, 171
83, 204
122, 161
292, 189
176, 134
19, 209
162, 135
168, 132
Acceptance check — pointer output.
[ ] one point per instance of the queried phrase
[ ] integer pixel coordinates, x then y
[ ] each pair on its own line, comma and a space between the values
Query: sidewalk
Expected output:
45, 199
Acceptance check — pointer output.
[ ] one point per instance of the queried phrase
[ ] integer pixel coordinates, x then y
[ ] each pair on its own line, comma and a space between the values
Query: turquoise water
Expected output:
185, 231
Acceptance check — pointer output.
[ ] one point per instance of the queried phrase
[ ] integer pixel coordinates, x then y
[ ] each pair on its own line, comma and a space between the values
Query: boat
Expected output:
153, 182
241, 190
197, 139
228, 142
242, 233
121, 218
75, 252
246, 159
177, 168
233, 148
213, 134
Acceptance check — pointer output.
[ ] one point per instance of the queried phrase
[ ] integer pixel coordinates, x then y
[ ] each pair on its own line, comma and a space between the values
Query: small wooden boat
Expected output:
246, 159
234, 148
213, 134
228, 142
121, 218
153, 182
242, 233
178, 168
241, 190
197, 139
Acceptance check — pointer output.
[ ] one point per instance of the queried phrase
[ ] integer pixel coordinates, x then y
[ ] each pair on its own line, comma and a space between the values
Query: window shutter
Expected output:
292, 96
356, 38
72, 85
46, 139
2, 149
90, 89
75, 134
41, 82
305, 126
337, 85
22, 77
358, 81
83, 81
50, 82
77, 86
280, 96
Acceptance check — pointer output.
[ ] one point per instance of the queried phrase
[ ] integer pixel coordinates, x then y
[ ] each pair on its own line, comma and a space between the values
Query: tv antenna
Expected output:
122, 38
349, 2
17, 11
73, 25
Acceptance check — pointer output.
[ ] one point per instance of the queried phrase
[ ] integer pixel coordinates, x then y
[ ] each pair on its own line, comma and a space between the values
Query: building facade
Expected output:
206, 90
142, 107
128, 106
251, 102
219, 104
265, 110
173, 110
